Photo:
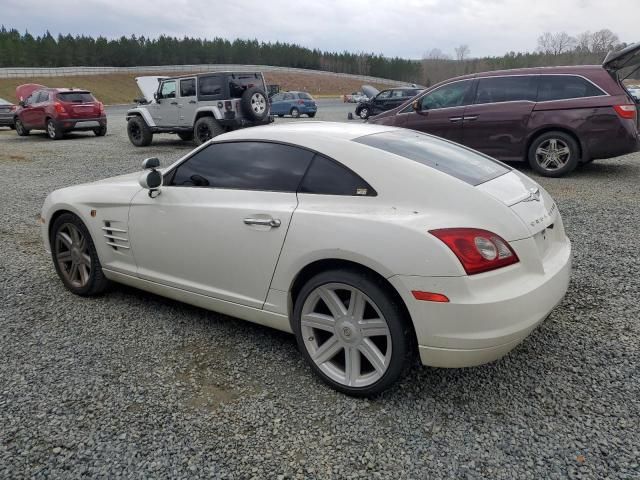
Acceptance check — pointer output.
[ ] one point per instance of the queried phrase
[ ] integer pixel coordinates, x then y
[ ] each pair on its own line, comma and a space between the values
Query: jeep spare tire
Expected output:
254, 104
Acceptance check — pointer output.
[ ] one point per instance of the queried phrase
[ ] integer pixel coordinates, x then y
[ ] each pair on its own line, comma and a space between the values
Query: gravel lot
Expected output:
137, 386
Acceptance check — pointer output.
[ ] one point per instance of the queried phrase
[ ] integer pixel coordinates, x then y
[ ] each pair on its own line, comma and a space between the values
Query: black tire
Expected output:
12, 127
97, 282
254, 104
281, 115
563, 156
54, 132
185, 136
363, 113
100, 131
205, 129
401, 331
295, 113
21, 130
311, 115
139, 132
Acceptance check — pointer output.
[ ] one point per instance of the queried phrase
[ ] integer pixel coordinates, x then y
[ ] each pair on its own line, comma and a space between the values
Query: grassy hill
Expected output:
121, 88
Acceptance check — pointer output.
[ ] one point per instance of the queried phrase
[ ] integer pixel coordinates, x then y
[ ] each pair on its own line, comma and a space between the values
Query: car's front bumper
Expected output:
485, 318
7, 119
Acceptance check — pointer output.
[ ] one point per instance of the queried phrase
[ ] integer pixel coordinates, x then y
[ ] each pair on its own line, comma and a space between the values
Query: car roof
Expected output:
570, 69
330, 132
221, 72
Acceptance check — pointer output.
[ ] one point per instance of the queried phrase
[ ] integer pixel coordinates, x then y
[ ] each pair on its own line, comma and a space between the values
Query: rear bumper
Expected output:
484, 320
236, 123
80, 124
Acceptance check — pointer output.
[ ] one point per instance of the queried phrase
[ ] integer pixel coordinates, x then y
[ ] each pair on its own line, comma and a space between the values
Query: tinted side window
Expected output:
245, 166
506, 89
188, 87
325, 176
210, 88
305, 95
560, 87
384, 94
451, 95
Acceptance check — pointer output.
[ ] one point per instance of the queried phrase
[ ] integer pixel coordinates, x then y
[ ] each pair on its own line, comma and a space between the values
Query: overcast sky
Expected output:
405, 28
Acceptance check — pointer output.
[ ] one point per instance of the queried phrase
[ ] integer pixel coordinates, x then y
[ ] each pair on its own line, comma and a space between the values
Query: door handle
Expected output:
455, 119
192, 101
471, 118
266, 222
174, 103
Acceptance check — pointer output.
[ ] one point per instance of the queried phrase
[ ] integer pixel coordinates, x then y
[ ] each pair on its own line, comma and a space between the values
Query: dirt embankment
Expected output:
121, 88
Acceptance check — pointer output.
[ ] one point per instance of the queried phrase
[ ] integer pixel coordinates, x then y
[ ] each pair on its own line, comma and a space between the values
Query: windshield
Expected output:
447, 157
78, 97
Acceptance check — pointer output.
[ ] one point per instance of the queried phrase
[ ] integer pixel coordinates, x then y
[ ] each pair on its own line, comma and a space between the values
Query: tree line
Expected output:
25, 50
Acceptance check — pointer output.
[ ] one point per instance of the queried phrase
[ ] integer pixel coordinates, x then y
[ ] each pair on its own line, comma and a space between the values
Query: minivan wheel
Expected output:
139, 132
206, 128
53, 131
20, 129
554, 154
351, 332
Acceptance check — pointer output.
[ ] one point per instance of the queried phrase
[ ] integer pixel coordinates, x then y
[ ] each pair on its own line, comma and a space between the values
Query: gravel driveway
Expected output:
133, 385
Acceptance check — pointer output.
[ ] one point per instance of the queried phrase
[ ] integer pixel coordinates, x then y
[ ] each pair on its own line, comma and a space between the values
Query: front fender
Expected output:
144, 113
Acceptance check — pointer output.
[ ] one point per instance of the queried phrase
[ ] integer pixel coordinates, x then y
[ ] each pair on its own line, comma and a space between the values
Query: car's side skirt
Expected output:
262, 317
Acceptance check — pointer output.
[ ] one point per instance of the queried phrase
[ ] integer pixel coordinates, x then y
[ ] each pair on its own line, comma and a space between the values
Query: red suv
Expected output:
58, 111
554, 117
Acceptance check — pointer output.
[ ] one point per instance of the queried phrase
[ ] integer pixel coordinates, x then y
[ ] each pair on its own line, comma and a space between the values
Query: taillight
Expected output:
101, 108
626, 111
478, 250
59, 107
228, 106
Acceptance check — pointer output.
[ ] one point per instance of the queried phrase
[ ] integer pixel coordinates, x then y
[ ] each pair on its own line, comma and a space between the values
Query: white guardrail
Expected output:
21, 72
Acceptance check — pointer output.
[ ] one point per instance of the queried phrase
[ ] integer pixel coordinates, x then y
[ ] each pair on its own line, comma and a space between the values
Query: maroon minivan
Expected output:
554, 117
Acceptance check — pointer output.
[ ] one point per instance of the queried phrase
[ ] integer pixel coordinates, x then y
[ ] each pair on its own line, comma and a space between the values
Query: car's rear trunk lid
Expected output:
525, 198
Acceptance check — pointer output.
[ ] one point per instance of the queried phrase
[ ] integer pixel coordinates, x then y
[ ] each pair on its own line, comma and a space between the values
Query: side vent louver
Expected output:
115, 237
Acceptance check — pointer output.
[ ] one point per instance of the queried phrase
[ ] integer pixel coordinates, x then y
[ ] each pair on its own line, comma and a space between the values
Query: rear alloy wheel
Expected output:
75, 257
295, 113
352, 332
53, 131
206, 128
139, 132
100, 131
554, 154
364, 113
20, 129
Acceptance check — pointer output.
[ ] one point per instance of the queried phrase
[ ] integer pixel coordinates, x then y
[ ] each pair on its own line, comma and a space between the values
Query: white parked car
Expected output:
370, 243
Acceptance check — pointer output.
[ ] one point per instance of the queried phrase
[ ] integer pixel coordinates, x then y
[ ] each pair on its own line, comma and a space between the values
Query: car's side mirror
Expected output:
151, 179
152, 162
22, 103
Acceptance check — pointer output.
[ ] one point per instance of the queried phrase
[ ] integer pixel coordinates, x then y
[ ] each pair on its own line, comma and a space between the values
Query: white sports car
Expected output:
371, 243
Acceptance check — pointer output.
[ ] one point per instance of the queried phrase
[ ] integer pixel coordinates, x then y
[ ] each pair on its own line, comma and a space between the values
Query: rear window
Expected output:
562, 87
78, 97
304, 95
459, 162
240, 82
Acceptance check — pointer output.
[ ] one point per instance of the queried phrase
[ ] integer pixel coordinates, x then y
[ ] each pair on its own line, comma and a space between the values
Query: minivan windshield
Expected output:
462, 163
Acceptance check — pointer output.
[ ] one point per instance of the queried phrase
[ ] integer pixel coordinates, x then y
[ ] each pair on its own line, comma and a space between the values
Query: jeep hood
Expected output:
23, 91
148, 86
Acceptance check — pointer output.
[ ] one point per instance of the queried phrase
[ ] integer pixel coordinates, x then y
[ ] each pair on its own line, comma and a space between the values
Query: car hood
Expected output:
23, 91
625, 58
148, 86
370, 91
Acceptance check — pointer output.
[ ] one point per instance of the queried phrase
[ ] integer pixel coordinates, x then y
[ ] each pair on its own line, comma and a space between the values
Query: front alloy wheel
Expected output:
352, 332
364, 113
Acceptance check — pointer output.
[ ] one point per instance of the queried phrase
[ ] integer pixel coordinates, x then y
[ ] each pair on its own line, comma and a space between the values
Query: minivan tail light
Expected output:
626, 111
478, 250
59, 107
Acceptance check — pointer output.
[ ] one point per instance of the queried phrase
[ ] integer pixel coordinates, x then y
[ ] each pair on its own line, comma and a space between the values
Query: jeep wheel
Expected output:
185, 136
295, 113
139, 132
206, 128
255, 104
